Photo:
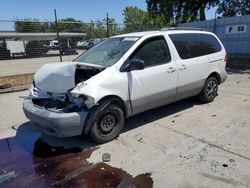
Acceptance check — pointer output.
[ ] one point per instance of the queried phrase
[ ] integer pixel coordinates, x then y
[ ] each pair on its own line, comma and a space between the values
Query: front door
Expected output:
156, 84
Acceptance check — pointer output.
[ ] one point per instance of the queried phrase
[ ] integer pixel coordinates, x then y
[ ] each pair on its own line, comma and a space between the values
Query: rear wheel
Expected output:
209, 91
107, 121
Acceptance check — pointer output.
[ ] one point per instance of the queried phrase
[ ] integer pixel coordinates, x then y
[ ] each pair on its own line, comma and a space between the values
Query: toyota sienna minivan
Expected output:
122, 76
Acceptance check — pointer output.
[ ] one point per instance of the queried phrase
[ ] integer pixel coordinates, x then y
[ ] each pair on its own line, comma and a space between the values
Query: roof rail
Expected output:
182, 28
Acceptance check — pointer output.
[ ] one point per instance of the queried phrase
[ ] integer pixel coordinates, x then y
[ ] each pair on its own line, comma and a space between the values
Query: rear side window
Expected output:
191, 45
153, 51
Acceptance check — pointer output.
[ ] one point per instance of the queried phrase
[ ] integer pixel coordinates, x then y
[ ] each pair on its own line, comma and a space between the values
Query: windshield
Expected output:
107, 52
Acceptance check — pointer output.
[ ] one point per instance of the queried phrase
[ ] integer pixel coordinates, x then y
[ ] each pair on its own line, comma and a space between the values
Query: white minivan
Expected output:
123, 76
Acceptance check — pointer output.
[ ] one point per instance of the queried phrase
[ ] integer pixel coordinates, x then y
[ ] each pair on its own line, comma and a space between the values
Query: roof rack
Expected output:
182, 28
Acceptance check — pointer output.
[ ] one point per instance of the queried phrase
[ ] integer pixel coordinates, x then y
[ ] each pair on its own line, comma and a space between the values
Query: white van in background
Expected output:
16, 48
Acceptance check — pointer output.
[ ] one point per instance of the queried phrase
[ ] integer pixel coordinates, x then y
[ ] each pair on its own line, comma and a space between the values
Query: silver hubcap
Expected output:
211, 89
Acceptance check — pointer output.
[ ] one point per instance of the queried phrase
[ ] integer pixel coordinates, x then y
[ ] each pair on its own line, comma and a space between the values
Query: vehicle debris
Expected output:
106, 157
225, 165
140, 139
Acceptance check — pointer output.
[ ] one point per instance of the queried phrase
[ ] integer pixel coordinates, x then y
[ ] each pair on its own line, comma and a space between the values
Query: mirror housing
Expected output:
134, 64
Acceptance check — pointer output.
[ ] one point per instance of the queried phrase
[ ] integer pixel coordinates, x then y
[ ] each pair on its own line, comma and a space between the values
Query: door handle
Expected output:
171, 70
183, 67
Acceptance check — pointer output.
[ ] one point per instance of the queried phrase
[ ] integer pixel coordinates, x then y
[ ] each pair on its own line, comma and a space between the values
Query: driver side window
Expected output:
153, 51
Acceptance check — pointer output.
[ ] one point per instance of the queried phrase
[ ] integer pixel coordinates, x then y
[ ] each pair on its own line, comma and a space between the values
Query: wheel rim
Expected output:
212, 88
106, 123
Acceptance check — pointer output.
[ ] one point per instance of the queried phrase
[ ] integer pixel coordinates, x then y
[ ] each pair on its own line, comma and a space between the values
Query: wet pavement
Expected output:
29, 161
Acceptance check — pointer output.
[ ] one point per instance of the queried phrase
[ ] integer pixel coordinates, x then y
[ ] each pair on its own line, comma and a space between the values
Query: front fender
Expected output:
109, 82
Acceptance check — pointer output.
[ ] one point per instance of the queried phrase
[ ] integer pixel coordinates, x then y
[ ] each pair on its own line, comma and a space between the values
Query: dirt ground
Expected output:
30, 65
16, 80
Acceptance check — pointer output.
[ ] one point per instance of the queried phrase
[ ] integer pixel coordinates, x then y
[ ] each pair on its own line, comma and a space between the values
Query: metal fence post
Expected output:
215, 17
58, 38
107, 25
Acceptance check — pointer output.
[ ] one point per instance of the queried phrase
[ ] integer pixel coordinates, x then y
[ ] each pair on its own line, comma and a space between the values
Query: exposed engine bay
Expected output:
52, 85
84, 73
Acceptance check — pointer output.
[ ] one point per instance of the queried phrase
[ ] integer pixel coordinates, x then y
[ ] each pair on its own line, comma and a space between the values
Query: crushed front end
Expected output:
58, 114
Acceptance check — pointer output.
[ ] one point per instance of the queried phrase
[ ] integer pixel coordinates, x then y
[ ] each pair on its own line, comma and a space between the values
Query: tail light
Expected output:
226, 58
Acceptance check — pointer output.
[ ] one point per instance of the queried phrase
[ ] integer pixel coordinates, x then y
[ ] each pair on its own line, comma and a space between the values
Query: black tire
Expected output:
106, 122
209, 91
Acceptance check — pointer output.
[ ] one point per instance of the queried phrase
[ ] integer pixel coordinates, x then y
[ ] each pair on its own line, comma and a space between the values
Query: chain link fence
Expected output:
29, 39
33, 38
25, 39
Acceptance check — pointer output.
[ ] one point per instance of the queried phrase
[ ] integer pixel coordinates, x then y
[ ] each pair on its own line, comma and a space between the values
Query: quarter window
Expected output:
153, 51
195, 45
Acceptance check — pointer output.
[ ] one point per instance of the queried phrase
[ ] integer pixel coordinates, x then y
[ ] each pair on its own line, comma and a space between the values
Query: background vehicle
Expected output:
16, 48
54, 44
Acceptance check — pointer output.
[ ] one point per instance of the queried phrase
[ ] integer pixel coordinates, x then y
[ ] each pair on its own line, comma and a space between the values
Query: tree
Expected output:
94, 29
136, 19
29, 25
180, 10
133, 19
100, 29
234, 7
91, 30
245, 7
114, 28
71, 25
64, 25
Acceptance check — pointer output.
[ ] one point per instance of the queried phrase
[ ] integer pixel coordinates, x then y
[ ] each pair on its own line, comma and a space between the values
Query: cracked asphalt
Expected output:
185, 144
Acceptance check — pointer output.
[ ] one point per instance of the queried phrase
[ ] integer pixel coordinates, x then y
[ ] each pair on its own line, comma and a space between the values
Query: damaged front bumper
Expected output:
60, 124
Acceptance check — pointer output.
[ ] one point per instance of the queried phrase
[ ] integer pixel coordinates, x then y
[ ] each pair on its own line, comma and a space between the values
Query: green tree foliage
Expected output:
136, 19
64, 25
234, 7
180, 10
98, 28
94, 29
30, 25
114, 27
70, 25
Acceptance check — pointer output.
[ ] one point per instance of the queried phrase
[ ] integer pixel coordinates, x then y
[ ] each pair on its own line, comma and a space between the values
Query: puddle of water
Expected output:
29, 161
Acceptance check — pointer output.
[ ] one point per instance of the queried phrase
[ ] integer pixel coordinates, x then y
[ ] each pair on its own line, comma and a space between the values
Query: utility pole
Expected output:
215, 17
58, 38
107, 25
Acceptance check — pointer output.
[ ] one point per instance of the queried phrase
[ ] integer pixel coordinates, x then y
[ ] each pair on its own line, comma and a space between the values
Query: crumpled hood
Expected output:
56, 77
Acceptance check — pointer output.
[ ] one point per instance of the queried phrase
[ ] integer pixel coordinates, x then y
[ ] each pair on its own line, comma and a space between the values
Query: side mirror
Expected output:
134, 64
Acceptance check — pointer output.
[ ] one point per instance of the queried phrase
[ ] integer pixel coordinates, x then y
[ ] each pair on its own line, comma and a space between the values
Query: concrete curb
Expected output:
13, 89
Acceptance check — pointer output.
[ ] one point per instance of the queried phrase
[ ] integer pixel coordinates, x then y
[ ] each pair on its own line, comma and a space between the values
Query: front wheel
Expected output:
209, 91
107, 121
